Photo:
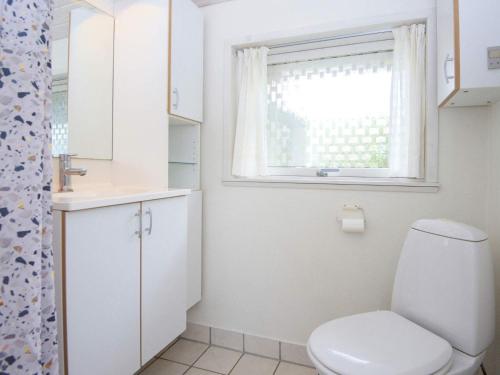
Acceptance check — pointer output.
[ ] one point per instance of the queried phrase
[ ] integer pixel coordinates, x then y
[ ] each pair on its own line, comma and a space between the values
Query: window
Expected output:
351, 108
330, 113
60, 131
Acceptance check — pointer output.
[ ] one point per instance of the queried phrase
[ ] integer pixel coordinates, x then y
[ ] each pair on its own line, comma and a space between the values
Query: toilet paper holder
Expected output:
352, 218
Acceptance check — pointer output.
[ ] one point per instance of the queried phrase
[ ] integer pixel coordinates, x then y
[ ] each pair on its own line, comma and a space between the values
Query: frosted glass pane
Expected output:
60, 123
330, 112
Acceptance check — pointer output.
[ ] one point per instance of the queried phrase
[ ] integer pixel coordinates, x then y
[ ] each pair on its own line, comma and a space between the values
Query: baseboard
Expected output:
246, 343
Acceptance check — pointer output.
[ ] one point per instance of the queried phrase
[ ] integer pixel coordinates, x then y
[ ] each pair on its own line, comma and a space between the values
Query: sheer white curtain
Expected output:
250, 143
408, 109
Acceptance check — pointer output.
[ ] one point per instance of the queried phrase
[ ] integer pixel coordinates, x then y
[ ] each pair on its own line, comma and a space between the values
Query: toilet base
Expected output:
460, 364
463, 364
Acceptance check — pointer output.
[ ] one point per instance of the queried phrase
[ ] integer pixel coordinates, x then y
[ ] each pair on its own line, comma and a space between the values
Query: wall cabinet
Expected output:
122, 287
185, 107
185, 93
467, 29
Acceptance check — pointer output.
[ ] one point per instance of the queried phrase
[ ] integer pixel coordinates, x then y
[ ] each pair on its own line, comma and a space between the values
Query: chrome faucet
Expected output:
65, 172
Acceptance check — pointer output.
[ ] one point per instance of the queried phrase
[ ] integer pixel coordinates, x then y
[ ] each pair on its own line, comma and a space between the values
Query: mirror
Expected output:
82, 85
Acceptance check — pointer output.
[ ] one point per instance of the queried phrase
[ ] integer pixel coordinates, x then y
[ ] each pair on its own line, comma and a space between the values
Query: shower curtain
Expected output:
28, 330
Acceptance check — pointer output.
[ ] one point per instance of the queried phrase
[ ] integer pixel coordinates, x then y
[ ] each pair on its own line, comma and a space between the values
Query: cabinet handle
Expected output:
150, 214
447, 60
138, 233
177, 98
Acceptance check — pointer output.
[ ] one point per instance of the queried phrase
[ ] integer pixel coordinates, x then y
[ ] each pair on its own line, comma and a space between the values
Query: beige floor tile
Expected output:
218, 360
253, 365
199, 371
162, 367
185, 351
291, 369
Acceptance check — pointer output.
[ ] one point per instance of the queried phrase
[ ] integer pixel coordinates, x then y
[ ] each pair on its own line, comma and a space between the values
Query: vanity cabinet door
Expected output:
186, 60
102, 290
194, 249
164, 247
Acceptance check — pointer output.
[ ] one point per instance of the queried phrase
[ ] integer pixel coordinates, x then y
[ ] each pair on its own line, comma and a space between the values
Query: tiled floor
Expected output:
194, 358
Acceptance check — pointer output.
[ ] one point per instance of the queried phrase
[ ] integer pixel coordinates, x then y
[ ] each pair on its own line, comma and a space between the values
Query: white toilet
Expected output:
443, 311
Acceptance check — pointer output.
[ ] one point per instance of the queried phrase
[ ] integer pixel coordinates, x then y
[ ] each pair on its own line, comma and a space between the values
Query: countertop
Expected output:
87, 198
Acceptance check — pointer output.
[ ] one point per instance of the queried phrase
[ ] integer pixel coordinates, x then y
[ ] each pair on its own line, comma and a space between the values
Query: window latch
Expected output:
325, 172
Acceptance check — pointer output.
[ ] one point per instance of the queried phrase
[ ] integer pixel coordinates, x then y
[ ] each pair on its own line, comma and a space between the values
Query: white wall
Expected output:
60, 57
275, 262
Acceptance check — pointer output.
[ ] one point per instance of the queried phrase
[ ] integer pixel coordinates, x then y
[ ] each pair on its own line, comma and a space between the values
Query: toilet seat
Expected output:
378, 343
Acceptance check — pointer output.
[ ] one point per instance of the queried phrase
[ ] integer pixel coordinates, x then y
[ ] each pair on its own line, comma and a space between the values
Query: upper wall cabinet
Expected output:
468, 52
185, 94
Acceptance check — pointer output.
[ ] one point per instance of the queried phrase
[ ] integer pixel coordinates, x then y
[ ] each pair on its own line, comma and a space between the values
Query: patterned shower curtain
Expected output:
28, 329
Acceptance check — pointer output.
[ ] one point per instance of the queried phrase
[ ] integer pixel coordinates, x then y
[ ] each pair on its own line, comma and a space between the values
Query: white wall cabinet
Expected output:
466, 29
122, 284
186, 61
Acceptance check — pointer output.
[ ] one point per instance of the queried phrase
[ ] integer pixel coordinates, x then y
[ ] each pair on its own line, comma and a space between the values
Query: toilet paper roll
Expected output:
353, 225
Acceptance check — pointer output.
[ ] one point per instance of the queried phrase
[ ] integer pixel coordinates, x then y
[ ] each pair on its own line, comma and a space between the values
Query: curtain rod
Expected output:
305, 49
328, 39
331, 57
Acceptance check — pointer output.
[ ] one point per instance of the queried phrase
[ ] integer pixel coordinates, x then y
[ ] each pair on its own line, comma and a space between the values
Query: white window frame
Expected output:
345, 177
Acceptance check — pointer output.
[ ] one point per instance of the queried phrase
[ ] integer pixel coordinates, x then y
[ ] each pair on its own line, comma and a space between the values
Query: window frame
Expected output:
344, 178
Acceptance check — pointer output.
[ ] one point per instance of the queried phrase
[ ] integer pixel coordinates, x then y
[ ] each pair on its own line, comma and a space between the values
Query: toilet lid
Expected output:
378, 343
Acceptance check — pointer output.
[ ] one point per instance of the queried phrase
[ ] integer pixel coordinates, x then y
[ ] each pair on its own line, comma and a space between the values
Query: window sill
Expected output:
340, 183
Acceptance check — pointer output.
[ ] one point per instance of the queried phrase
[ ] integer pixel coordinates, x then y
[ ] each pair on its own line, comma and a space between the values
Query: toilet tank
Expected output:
444, 282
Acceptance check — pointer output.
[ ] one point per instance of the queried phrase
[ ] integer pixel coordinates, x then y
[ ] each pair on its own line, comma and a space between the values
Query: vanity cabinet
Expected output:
100, 258
194, 248
468, 33
122, 284
184, 173
164, 248
185, 92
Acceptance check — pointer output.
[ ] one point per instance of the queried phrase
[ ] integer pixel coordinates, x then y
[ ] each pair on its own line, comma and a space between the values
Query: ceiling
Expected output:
204, 3
62, 9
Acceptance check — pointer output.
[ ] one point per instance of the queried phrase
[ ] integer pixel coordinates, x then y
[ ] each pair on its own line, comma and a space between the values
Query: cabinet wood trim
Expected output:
141, 204
63, 292
456, 41
169, 96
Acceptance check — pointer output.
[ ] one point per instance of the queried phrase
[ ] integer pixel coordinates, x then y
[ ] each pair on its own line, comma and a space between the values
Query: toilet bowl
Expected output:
442, 314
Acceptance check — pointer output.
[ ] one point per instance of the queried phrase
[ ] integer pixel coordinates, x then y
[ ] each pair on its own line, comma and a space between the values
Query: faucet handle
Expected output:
66, 158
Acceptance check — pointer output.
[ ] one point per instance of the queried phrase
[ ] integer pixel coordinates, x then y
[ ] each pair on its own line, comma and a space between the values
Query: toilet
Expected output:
442, 314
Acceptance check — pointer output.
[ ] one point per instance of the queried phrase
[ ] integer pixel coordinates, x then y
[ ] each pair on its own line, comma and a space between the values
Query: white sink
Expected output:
102, 196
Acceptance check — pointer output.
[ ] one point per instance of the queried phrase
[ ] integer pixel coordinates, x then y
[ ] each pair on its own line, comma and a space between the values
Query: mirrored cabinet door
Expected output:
82, 69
